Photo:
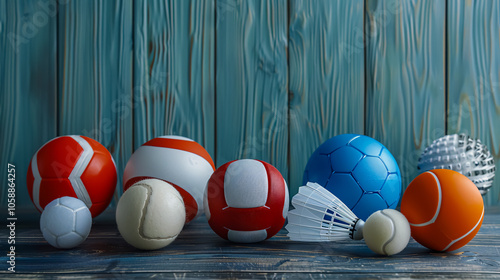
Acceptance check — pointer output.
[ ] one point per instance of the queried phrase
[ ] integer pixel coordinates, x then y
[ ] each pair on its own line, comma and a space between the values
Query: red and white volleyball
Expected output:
177, 160
75, 166
246, 201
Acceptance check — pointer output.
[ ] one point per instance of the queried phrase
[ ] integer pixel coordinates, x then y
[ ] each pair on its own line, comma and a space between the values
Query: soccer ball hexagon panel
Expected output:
65, 223
357, 169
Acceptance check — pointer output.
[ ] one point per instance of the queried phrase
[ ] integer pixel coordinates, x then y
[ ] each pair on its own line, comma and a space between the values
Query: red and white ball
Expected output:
75, 166
177, 160
246, 201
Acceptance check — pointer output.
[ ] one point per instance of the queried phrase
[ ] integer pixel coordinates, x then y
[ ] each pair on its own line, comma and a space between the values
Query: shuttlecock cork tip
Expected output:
357, 230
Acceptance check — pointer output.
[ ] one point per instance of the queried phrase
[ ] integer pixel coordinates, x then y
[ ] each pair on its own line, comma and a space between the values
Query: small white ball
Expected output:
65, 223
150, 214
387, 232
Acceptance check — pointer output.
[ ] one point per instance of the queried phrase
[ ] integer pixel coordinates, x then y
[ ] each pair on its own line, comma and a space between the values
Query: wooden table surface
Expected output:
198, 252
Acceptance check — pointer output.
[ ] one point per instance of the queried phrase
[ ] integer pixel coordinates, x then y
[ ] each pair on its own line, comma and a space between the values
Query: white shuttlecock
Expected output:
321, 216
463, 154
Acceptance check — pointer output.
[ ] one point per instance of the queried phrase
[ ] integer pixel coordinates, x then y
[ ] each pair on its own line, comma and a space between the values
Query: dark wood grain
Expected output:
198, 252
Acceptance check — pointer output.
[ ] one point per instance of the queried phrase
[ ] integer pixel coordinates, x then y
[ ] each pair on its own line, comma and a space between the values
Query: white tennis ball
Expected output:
387, 232
150, 214
65, 222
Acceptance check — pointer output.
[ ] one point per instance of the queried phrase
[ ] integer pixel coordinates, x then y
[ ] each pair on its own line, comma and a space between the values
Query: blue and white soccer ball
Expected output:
65, 223
359, 170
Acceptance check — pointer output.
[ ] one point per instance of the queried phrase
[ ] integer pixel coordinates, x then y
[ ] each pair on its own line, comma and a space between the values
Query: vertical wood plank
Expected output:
252, 78
326, 76
474, 76
95, 74
28, 81
174, 70
405, 77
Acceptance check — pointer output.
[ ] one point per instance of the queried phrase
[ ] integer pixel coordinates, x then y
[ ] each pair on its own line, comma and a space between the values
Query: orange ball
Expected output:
444, 208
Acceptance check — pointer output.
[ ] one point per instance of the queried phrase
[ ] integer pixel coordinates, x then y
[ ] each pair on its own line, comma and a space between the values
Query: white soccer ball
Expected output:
463, 154
65, 223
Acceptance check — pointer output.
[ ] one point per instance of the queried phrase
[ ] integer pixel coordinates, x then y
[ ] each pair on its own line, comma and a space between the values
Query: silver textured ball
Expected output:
463, 154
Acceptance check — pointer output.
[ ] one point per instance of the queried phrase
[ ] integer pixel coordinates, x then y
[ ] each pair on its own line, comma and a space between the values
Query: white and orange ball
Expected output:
444, 208
150, 215
246, 201
75, 166
177, 160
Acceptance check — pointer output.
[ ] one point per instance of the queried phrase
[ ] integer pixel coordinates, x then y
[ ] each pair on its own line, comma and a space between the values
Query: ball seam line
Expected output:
436, 214
36, 182
57, 242
393, 235
74, 221
144, 212
287, 199
149, 191
465, 235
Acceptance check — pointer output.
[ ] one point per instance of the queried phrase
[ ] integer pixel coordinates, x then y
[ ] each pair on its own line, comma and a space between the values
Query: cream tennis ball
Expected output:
386, 232
150, 214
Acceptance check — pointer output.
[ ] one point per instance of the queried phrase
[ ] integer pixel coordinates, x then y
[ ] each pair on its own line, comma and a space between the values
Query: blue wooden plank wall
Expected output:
326, 64
174, 73
258, 79
405, 76
474, 75
95, 74
28, 87
252, 82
